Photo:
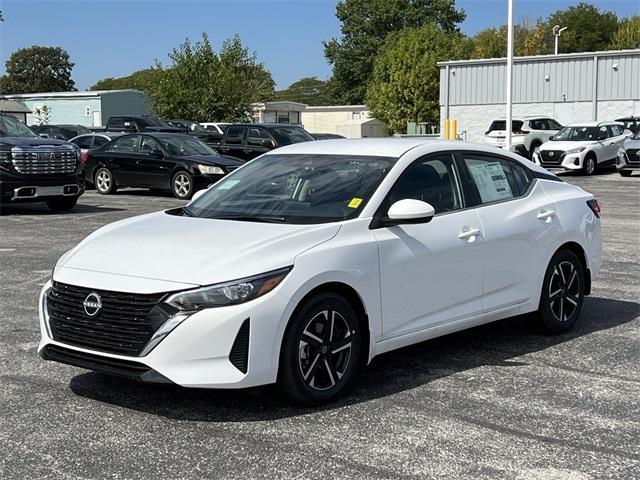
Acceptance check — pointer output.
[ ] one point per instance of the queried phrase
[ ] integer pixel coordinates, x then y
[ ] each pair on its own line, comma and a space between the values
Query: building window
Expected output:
282, 117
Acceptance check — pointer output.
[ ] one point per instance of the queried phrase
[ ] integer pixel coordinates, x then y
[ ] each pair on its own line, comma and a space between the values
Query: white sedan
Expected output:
309, 261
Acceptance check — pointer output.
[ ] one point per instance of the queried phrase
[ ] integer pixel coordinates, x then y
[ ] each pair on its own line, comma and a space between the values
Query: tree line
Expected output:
385, 57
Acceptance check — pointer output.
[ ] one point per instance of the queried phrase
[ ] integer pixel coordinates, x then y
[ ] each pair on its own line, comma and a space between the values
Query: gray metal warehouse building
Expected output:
568, 87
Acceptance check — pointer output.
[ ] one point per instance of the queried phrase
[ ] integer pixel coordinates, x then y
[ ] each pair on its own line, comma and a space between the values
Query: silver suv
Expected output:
527, 133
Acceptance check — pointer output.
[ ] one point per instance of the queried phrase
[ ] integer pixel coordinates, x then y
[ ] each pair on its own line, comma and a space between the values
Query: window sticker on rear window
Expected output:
491, 181
228, 184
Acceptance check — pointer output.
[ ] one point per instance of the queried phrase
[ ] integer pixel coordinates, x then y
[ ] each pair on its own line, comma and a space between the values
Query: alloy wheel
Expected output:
103, 181
589, 166
564, 291
324, 350
182, 185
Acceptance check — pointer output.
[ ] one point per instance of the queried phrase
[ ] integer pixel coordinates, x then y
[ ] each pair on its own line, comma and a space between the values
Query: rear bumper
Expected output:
38, 188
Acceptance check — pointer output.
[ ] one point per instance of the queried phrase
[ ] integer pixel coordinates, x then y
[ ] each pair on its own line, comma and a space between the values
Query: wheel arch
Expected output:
354, 299
577, 249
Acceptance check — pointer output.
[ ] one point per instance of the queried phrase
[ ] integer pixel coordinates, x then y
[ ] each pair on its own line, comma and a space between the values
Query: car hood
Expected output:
195, 251
564, 146
631, 143
31, 141
213, 160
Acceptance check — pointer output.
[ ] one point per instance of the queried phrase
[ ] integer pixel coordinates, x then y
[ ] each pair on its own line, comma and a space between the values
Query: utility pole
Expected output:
557, 31
508, 126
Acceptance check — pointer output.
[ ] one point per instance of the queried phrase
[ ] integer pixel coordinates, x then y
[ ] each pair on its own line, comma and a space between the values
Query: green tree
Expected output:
203, 85
309, 90
140, 80
588, 28
38, 69
365, 26
405, 84
528, 39
628, 34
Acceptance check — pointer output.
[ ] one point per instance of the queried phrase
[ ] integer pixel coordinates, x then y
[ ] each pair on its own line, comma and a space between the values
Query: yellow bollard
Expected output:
454, 129
446, 129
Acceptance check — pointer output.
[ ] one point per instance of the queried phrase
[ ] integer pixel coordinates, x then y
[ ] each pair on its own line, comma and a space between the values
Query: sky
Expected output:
112, 38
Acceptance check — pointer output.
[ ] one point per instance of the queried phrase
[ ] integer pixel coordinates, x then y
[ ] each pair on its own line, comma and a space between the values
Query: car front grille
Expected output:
123, 325
551, 157
44, 160
633, 155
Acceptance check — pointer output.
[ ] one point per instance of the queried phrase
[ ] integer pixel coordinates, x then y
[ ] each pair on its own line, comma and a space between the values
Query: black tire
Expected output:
532, 148
104, 182
625, 173
182, 185
590, 165
562, 294
63, 204
318, 363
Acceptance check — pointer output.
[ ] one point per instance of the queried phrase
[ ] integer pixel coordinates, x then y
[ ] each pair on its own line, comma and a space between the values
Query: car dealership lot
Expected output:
498, 401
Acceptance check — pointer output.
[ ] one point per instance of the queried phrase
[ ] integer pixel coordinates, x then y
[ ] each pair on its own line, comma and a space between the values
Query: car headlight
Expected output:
210, 170
229, 293
575, 150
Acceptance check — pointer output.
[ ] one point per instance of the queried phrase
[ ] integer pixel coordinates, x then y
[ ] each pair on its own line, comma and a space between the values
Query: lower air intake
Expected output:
239, 355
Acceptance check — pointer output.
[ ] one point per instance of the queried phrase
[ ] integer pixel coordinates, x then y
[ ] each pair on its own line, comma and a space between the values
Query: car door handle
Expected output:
544, 214
469, 233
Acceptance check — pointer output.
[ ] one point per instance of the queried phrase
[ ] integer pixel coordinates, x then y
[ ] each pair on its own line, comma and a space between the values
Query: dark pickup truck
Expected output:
137, 124
34, 169
249, 140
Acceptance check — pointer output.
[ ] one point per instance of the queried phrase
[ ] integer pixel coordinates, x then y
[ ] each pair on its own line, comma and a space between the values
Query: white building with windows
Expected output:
574, 87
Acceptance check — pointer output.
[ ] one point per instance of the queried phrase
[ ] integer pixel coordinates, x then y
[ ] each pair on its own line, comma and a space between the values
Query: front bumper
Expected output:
623, 162
39, 188
568, 162
199, 352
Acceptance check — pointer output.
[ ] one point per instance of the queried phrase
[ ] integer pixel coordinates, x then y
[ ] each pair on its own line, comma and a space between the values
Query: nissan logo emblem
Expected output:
551, 154
92, 304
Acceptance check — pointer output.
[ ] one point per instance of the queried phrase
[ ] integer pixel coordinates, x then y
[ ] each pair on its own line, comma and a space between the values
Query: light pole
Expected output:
508, 126
557, 31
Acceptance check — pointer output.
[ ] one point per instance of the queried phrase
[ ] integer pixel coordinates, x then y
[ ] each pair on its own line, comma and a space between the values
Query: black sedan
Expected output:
159, 161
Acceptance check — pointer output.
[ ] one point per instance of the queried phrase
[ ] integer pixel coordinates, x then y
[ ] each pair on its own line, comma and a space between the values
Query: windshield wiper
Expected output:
251, 218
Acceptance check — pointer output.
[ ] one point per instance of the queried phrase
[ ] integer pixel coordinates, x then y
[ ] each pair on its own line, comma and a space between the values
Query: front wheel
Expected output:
182, 185
562, 293
589, 167
62, 204
320, 351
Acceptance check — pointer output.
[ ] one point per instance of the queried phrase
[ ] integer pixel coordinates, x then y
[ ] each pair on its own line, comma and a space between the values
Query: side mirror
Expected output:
268, 143
409, 211
601, 138
43, 135
155, 152
552, 138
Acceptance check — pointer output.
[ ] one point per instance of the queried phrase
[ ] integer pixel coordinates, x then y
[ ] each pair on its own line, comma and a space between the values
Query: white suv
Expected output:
527, 134
583, 147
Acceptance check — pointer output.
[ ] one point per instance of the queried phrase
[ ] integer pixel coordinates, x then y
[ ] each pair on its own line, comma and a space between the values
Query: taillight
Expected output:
84, 156
595, 207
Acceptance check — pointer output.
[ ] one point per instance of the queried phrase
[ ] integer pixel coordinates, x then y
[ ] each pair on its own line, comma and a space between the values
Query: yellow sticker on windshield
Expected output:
355, 202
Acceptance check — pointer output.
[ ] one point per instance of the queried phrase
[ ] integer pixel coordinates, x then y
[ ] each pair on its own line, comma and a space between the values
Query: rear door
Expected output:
258, 142
518, 221
233, 142
123, 154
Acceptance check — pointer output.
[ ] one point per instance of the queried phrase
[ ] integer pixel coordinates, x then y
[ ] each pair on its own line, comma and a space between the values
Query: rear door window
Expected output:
491, 178
99, 141
234, 136
83, 142
125, 144
257, 136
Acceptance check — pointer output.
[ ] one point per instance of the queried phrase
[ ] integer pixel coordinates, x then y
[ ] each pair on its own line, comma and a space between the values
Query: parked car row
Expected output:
583, 147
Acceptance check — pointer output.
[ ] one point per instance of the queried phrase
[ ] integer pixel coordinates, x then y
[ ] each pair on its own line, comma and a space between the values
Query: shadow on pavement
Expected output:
42, 209
492, 344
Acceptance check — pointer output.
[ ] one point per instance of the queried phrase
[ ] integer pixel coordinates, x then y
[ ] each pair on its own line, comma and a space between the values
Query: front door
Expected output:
430, 273
152, 170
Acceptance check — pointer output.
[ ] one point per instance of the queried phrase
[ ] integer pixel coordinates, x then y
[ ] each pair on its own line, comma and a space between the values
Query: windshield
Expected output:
300, 189
12, 127
181, 147
289, 135
576, 134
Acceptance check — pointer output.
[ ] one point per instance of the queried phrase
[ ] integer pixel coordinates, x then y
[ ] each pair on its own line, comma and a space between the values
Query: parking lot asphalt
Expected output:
497, 401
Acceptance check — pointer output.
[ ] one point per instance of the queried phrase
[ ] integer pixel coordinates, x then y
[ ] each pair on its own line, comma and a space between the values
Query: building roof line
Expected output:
86, 93
561, 56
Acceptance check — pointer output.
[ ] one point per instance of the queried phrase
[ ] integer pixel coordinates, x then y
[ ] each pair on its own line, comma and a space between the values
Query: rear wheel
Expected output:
182, 185
104, 181
562, 293
589, 166
320, 350
625, 173
63, 204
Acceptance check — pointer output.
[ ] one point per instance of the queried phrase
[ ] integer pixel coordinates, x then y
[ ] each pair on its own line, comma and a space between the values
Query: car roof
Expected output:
379, 147
627, 119
593, 124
